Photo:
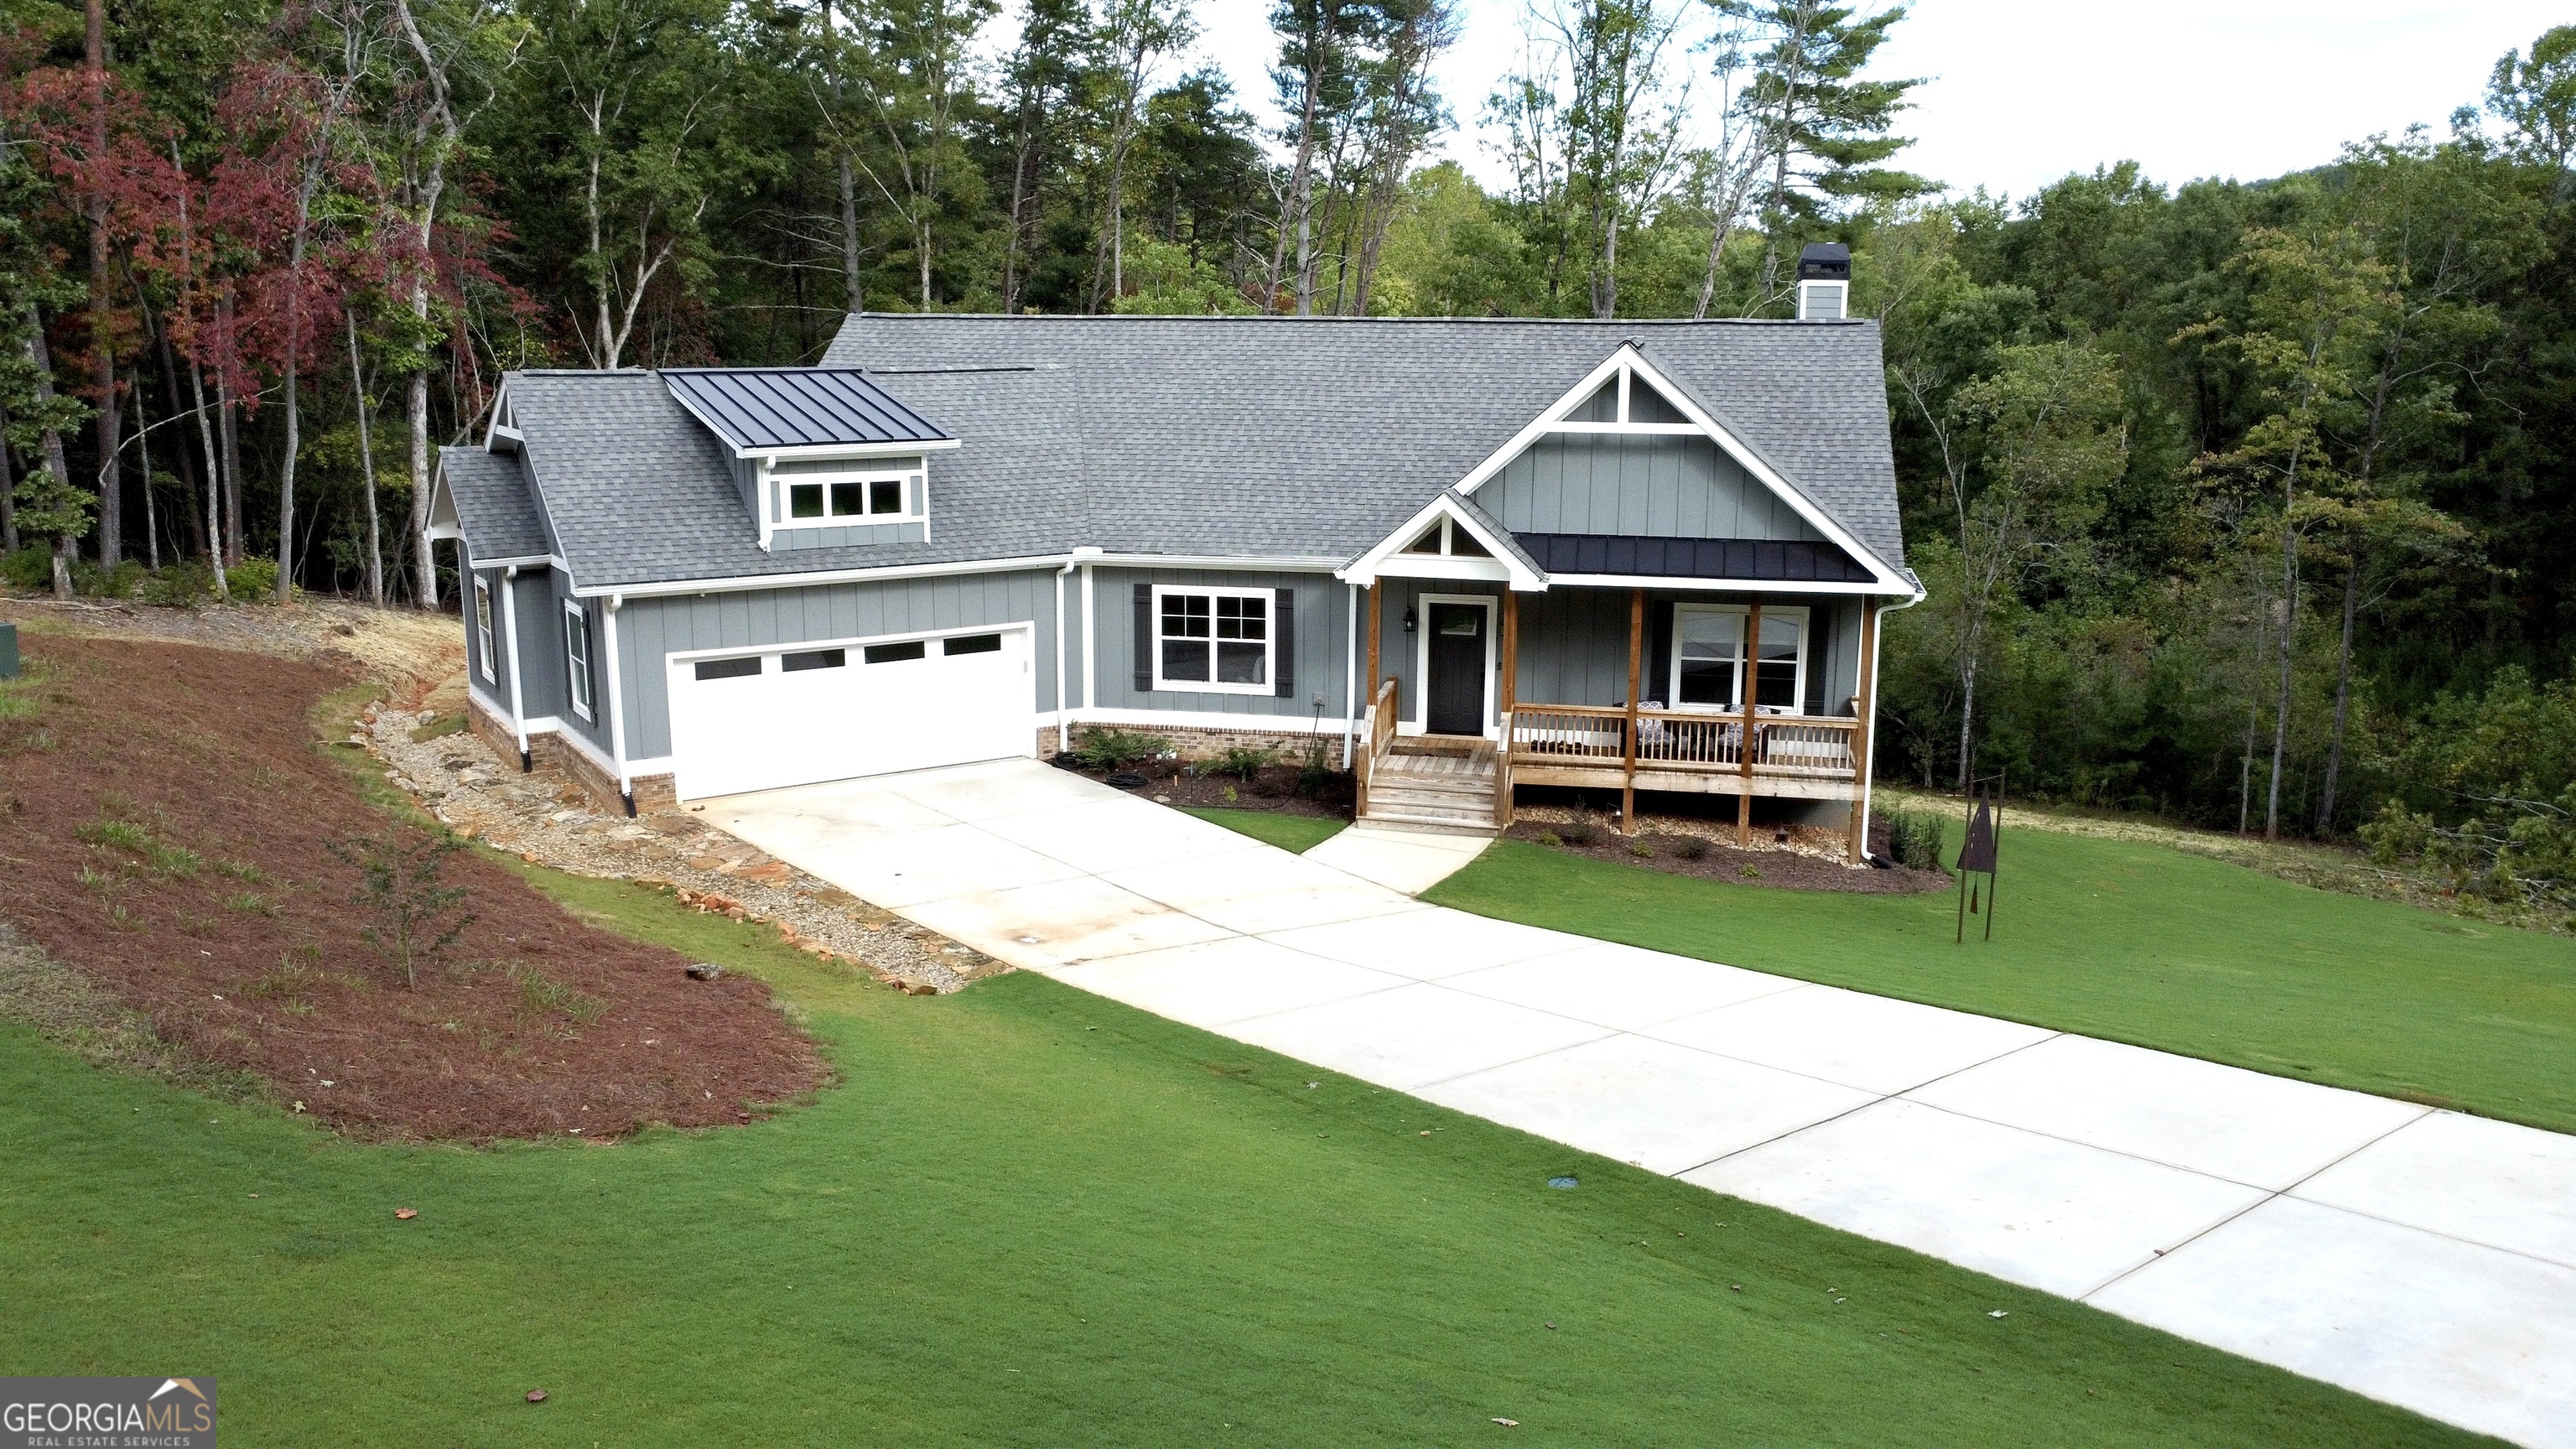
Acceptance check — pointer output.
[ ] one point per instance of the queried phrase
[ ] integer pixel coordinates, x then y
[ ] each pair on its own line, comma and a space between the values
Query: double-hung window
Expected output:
483, 628
1708, 657
1213, 640
577, 658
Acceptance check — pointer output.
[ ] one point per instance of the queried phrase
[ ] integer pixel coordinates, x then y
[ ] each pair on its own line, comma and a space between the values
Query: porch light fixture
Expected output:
1408, 621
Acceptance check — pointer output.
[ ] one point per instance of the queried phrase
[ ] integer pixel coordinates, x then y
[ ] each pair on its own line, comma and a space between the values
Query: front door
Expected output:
1456, 696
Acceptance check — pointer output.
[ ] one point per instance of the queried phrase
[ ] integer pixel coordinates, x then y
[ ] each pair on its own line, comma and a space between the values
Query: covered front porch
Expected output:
1480, 689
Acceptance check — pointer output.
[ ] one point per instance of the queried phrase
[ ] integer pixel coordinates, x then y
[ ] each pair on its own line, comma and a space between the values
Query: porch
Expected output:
1761, 730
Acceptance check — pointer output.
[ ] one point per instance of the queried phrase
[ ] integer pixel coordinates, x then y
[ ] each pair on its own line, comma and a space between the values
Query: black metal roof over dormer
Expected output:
758, 408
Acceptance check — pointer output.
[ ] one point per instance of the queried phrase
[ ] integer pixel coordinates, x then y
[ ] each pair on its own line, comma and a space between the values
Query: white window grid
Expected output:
1205, 606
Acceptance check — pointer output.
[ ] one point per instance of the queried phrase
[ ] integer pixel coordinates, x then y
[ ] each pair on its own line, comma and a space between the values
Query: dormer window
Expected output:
855, 500
818, 502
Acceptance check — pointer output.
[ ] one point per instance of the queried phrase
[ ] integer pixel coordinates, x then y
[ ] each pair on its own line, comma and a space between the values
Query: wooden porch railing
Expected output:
1805, 746
1381, 734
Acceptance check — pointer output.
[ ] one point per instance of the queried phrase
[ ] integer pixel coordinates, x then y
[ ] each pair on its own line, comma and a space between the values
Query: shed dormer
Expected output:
823, 457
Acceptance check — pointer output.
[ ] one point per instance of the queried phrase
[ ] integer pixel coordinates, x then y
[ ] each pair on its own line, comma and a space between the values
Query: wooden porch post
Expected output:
1868, 712
1376, 628
1511, 650
1636, 658
1744, 750
1509, 687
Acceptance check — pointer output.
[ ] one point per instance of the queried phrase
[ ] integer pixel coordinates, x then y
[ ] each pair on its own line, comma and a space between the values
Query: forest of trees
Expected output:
2235, 500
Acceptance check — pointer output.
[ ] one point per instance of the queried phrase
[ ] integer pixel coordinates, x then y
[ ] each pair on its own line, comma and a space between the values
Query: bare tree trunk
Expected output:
367, 467
234, 544
214, 487
55, 462
854, 295
102, 333
2343, 694
143, 456
1967, 715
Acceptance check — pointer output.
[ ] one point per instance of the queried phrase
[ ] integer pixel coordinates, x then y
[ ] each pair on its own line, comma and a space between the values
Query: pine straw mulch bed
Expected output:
168, 823
1693, 849
1170, 782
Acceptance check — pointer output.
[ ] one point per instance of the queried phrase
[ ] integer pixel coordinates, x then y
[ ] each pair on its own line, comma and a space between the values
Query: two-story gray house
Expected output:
1459, 556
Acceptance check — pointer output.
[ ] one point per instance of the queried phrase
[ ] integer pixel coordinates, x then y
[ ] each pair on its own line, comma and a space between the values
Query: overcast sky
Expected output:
2021, 92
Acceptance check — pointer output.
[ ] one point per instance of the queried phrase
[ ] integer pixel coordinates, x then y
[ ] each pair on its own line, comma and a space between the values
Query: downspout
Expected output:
1090, 631
1877, 655
617, 708
1063, 728
510, 631
1350, 672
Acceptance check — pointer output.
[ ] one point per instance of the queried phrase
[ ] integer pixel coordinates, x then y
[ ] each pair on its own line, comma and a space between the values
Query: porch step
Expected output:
1452, 823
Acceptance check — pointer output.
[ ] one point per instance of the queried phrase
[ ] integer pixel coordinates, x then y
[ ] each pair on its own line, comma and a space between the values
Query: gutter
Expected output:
1319, 564
1877, 658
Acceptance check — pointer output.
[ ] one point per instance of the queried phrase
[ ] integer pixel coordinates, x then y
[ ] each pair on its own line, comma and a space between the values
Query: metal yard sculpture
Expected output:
1977, 857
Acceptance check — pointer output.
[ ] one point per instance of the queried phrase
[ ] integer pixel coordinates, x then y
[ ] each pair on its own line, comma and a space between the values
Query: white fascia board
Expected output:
527, 561
1365, 569
733, 585
1548, 420
1553, 420
1731, 586
850, 450
500, 409
1316, 564
1445, 566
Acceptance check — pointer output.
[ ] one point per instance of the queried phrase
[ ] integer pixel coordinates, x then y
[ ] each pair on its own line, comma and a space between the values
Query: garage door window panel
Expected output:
814, 659
895, 653
1216, 641
745, 667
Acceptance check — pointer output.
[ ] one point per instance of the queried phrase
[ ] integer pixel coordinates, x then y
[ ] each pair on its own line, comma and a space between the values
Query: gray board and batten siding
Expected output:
1651, 486
651, 629
1316, 633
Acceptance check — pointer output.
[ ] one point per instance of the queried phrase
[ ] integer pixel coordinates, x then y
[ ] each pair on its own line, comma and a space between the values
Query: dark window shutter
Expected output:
1283, 650
1144, 638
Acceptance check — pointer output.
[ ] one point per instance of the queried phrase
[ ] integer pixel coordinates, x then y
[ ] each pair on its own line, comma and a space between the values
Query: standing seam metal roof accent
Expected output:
798, 407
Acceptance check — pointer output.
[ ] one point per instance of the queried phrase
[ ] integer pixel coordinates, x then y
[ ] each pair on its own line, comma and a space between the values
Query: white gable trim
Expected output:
1388, 558
1627, 364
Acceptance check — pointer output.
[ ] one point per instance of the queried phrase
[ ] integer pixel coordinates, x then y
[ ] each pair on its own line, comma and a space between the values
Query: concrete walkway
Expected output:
2420, 1257
1399, 857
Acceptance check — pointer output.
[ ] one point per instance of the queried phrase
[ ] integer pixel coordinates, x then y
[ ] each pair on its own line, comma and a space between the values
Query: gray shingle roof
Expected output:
493, 507
792, 407
1305, 438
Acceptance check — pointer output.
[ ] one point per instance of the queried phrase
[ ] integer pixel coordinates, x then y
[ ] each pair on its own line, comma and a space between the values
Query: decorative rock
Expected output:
705, 971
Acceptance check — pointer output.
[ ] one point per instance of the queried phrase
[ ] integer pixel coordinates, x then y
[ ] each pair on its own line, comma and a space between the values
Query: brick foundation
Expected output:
1197, 742
549, 751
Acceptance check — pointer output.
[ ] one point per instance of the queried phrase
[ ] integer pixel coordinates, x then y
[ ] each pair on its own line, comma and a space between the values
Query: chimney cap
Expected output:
1824, 262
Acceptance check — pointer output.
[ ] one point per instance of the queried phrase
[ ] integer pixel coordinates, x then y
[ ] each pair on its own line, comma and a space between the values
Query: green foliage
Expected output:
140, 843
1243, 761
413, 917
1295, 833
178, 586
31, 567
542, 996
1114, 749
1914, 839
253, 580
2516, 854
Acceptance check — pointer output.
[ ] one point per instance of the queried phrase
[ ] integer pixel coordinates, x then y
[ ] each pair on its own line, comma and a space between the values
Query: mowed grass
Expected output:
2134, 942
1027, 1217
1298, 833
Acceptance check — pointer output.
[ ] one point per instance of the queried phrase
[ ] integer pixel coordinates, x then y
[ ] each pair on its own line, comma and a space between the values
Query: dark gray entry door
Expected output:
1457, 692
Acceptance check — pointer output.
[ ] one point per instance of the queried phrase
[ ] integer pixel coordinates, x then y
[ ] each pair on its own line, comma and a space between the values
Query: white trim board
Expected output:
1421, 721
1503, 566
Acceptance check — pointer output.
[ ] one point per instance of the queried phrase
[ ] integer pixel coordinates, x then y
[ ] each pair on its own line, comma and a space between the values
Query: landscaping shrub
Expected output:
1314, 776
1914, 839
1691, 847
119, 582
253, 580
1103, 749
1549, 837
1244, 761
31, 567
1577, 832
1641, 850
180, 586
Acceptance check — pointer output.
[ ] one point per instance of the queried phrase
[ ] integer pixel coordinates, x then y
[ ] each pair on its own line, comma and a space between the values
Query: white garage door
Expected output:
759, 721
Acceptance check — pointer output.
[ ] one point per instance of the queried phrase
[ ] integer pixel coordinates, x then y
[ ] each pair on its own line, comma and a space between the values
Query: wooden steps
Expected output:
1437, 784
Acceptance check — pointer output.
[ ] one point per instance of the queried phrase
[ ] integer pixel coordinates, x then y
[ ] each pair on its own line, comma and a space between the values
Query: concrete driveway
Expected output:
2420, 1257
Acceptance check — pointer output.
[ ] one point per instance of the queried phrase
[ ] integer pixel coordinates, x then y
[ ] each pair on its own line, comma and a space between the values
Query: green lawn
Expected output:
1027, 1217
2134, 942
1299, 833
